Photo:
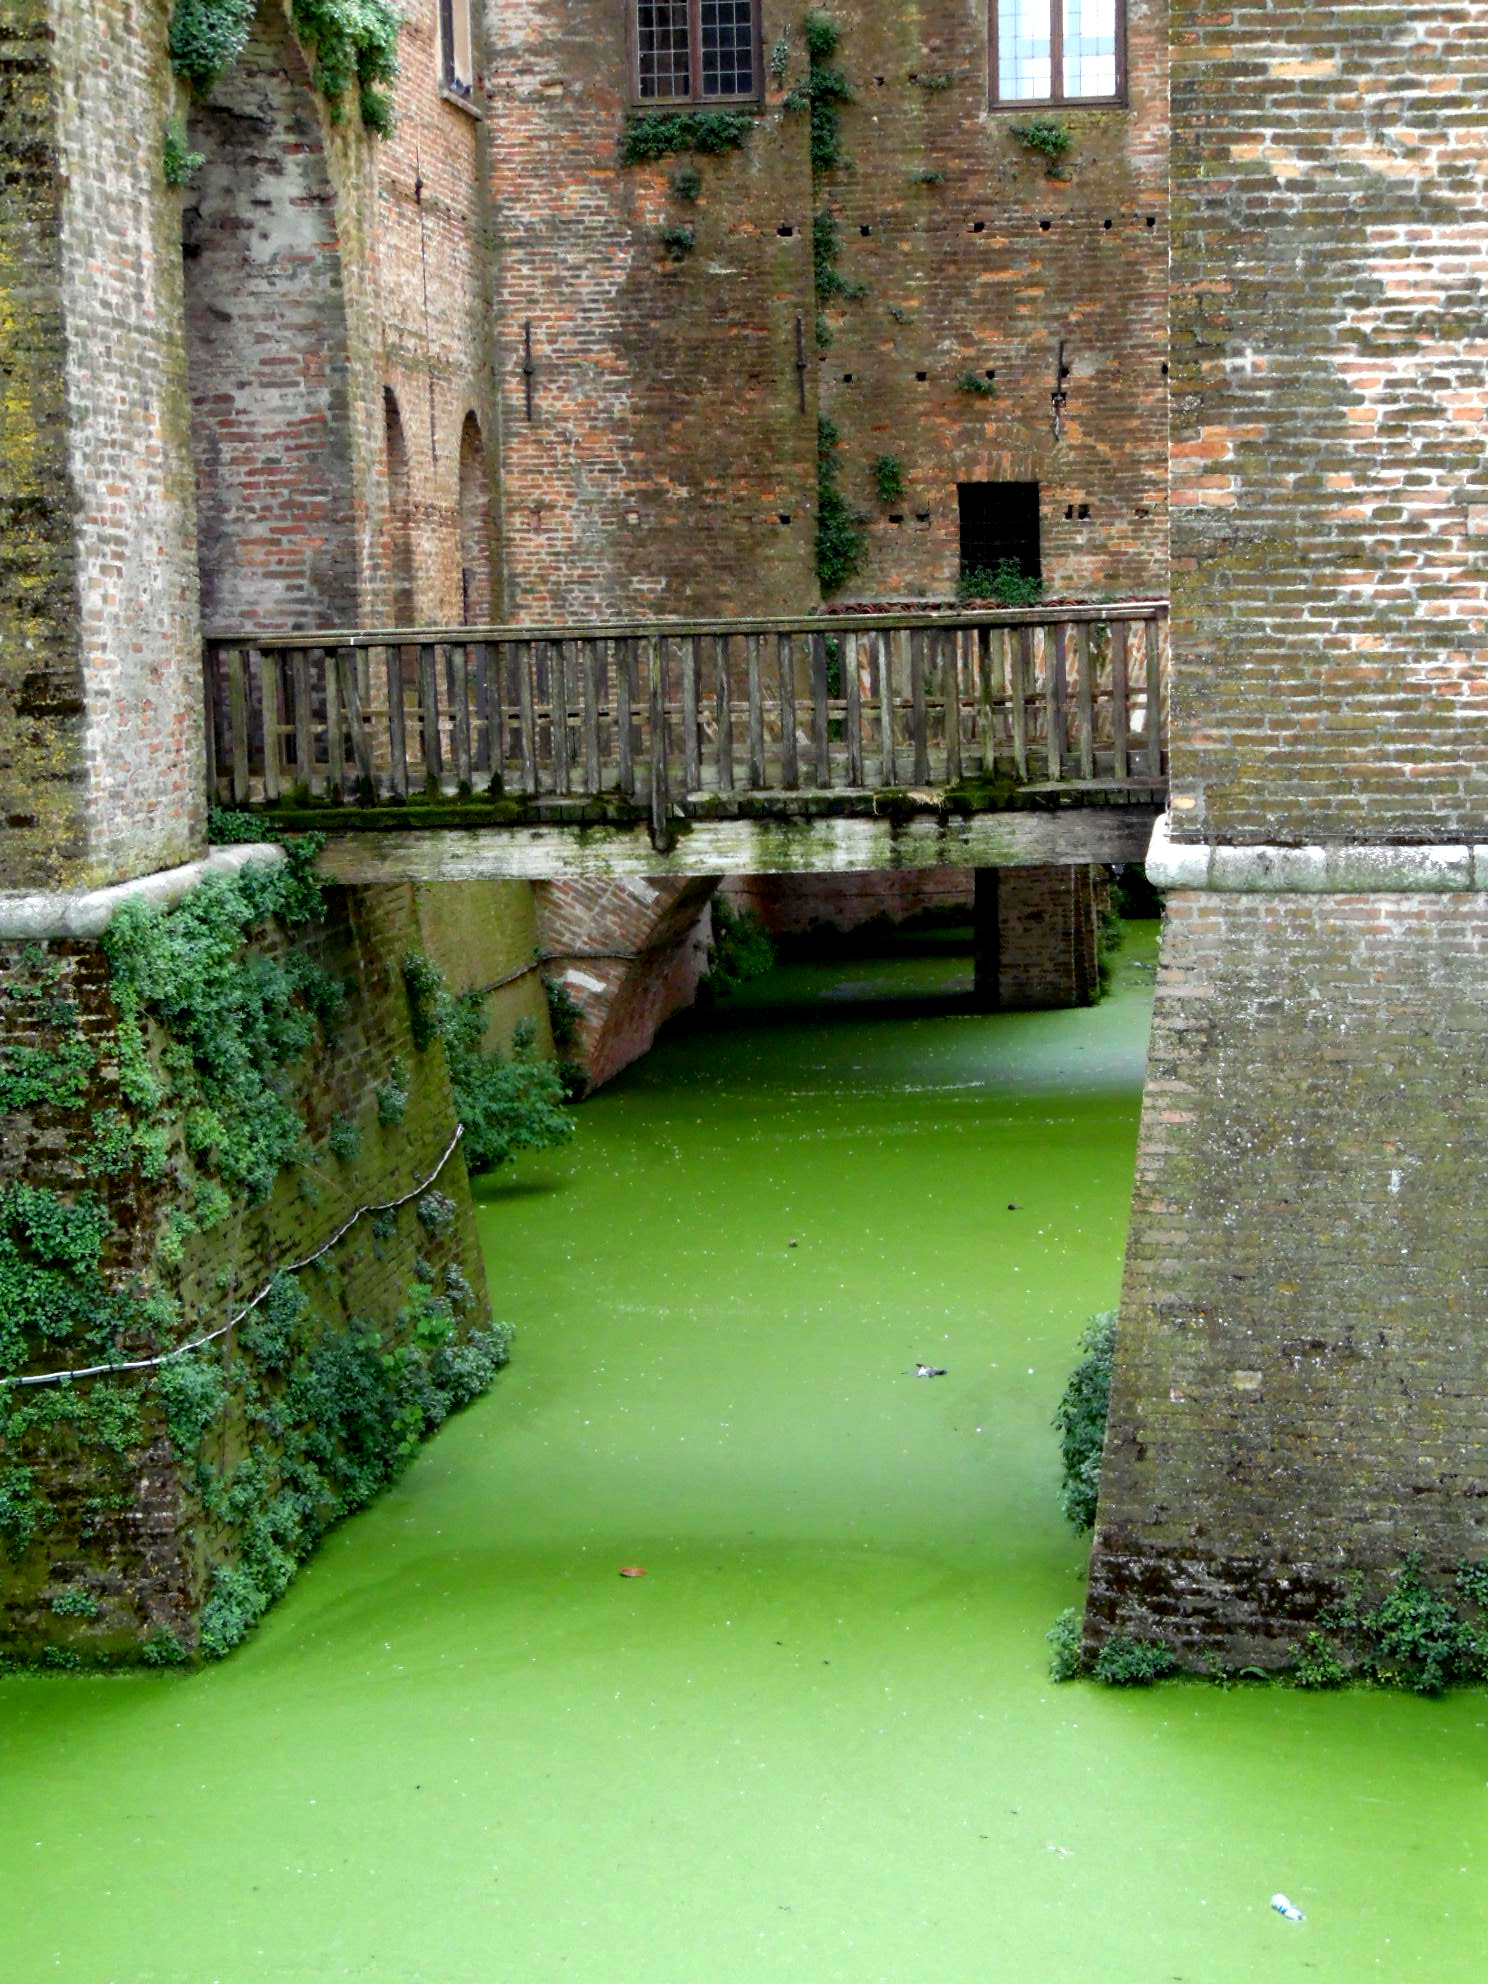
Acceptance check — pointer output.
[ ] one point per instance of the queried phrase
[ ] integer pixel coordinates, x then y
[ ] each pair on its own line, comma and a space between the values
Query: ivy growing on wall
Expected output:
352, 43
654, 134
823, 94
506, 1103
840, 543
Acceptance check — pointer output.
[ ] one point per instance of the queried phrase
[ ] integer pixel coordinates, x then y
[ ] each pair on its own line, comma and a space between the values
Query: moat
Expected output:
816, 1740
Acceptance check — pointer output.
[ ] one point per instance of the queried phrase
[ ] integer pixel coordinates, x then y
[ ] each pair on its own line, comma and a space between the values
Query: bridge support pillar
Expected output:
1301, 1362
1036, 938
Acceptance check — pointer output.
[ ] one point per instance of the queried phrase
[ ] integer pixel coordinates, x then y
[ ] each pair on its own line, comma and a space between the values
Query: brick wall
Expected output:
484, 938
268, 350
810, 905
100, 745
1300, 1383
129, 1528
1047, 938
1330, 382
629, 954
986, 269
426, 251
669, 464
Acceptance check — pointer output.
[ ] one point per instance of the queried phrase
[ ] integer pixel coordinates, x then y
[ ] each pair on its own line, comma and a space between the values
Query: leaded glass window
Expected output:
1057, 51
693, 51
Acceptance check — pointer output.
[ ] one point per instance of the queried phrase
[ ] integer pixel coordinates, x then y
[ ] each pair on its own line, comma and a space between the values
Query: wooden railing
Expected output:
671, 709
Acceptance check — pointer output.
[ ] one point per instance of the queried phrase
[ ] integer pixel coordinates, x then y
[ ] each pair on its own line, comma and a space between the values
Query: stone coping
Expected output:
1418, 869
43, 916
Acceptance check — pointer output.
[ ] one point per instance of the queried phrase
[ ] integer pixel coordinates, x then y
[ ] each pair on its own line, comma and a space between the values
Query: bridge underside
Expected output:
800, 833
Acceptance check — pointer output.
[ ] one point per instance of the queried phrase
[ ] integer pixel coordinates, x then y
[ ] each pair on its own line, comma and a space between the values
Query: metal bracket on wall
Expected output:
528, 368
1059, 398
801, 360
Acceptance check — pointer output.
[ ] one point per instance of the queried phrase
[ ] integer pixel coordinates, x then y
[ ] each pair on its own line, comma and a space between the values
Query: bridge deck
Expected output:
675, 721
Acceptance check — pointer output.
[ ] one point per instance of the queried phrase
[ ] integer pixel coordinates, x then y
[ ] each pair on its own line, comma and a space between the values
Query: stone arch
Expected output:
401, 599
476, 591
267, 348
629, 954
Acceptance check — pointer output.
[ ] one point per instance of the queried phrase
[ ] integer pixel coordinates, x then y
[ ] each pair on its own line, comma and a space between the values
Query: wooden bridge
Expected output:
667, 724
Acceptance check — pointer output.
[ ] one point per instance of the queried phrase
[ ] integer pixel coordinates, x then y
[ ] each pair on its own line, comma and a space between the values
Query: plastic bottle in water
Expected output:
1283, 1907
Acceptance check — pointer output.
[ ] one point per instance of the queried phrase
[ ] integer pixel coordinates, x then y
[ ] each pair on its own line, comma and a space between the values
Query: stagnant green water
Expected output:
816, 1741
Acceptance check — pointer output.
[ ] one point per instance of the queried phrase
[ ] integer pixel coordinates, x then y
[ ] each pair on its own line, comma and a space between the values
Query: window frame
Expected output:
451, 83
1056, 67
694, 98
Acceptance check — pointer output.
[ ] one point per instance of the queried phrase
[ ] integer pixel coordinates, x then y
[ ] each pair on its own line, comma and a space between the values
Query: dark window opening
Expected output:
1000, 524
695, 51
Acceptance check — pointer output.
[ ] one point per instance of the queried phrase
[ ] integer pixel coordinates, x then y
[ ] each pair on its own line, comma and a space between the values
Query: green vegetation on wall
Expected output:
1046, 136
216, 1013
352, 43
1080, 1420
654, 134
507, 1104
824, 91
840, 543
1005, 585
739, 951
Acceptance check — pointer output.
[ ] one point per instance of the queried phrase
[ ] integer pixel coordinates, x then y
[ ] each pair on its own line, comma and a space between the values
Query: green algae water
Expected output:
816, 1741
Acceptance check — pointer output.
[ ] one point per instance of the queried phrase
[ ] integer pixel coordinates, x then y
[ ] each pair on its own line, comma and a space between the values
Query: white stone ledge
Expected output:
1421, 869
36, 918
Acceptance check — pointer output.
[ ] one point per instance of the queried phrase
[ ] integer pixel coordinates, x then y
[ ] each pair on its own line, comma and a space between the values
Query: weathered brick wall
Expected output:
268, 350
629, 955
986, 269
326, 269
1302, 1370
1047, 938
1330, 380
100, 745
428, 258
484, 938
793, 906
128, 1529
669, 464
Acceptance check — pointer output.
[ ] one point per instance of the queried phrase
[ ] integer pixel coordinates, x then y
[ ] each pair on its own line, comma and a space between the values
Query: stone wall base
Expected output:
1301, 1376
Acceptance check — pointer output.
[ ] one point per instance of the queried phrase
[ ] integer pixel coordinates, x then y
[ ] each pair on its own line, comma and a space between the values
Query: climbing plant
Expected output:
217, 1011
353, 45
1081, 1421
507, 1103
823, 92
654, 134
740, 950
840, 542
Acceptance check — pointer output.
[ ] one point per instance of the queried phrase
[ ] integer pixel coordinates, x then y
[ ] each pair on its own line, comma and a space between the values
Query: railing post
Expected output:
211, 711
237, 712
752, 643
526, 665
889, 650
661, 797
625, 665
392, 661
820, 731
790, 774
1086, 648
950, 682
1152, 632
1021, 658
1119, 727
854, 720
919, 717
724, 713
